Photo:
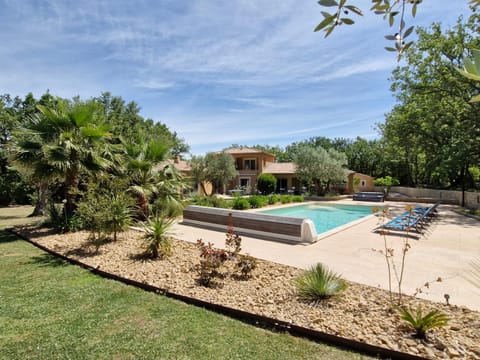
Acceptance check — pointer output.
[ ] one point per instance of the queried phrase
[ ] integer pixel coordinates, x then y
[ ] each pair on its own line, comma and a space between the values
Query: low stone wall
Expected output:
472, 199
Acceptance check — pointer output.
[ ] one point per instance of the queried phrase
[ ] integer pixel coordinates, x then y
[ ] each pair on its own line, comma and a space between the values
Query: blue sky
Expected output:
217, 72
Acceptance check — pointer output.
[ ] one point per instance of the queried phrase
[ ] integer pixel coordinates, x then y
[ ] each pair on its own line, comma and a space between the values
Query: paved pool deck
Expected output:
446, 250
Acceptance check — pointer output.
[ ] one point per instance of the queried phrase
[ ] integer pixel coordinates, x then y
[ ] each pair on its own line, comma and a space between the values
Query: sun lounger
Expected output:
412, 220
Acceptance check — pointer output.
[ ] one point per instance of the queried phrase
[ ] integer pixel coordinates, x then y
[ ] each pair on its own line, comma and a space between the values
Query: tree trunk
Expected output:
462, 175
143, 206
71, 187
42, 198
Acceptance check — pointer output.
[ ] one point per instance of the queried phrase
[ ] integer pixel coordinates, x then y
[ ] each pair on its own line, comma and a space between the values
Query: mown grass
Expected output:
17, 215
52, 310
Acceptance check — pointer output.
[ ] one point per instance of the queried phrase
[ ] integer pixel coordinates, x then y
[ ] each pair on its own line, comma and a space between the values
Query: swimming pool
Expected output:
325, 217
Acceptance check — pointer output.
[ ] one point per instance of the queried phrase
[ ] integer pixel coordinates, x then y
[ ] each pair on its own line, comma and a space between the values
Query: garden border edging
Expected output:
244, 316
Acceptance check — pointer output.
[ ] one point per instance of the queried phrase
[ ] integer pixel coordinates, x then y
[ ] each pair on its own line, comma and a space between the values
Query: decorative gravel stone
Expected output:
360, 313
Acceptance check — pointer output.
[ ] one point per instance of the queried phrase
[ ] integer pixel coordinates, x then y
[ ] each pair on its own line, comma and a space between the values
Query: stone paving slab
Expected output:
446, 250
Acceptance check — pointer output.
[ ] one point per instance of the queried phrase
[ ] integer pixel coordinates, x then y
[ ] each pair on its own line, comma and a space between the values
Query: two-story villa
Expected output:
251, 162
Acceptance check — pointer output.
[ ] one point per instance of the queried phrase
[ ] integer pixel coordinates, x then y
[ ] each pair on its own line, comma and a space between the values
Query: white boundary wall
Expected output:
472, 199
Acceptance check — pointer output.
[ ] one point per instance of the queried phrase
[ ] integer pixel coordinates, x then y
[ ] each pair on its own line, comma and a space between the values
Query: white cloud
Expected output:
214, 71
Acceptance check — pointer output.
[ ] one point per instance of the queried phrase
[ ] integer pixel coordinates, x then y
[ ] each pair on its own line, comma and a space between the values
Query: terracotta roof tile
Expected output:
280, 168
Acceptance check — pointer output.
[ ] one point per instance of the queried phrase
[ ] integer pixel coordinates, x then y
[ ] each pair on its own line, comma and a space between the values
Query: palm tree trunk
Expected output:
143, 206
42, 197
71, 185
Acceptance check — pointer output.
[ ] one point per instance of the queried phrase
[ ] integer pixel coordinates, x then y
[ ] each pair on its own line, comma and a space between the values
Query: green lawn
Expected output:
52, 310
17, 215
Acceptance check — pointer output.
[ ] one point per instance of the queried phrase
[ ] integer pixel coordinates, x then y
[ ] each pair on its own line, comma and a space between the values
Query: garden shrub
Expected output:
211, 201
240, 203
158, 237
219, 202
60, 221
257, 201
273, 199
318, 283
298, 198
211, 260
285, 199
105, 209
266, 183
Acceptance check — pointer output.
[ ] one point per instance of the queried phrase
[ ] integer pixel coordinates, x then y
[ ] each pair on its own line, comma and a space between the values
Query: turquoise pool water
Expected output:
325, 217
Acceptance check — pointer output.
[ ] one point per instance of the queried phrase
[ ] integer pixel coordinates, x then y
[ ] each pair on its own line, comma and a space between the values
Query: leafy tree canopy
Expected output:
392, 11
433, 131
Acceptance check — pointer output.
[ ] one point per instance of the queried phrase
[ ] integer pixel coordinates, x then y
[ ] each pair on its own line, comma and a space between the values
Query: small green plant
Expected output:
58, 219
285, 199
422, 323
273, 199
257, 201
118, 214
298, 198
210, 201
240, 203
158, 237
318, 283
105, 213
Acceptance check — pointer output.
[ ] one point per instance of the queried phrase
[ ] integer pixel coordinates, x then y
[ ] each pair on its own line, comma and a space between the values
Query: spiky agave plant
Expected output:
422, 323
319, 283
158, 237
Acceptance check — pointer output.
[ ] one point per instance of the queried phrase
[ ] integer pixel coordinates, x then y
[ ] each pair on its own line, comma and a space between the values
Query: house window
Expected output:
249, 164
363, 183
244, 183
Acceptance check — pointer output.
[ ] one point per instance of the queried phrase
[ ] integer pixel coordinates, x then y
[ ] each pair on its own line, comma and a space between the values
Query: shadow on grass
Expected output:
45, 260
6, 237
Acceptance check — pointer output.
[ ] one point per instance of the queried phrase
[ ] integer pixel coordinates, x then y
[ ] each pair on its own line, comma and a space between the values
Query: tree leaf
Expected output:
388, 48
407, 45
347, 21
408, 32
328, 3
414, 10
474, 99
470, 67
391, 20
329, 30
354, 9
327, 21
391, 37
325, 14
476, 57
468, 75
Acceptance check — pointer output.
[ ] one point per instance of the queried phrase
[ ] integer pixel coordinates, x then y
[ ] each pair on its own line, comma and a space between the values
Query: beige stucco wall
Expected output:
366, 183
472, 199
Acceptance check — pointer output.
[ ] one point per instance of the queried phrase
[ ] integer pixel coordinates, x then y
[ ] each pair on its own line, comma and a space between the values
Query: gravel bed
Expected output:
360, 313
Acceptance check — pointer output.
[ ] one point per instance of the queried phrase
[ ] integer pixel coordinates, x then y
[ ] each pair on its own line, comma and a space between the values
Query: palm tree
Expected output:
28, 158
66, 140
169, 189
141, 159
